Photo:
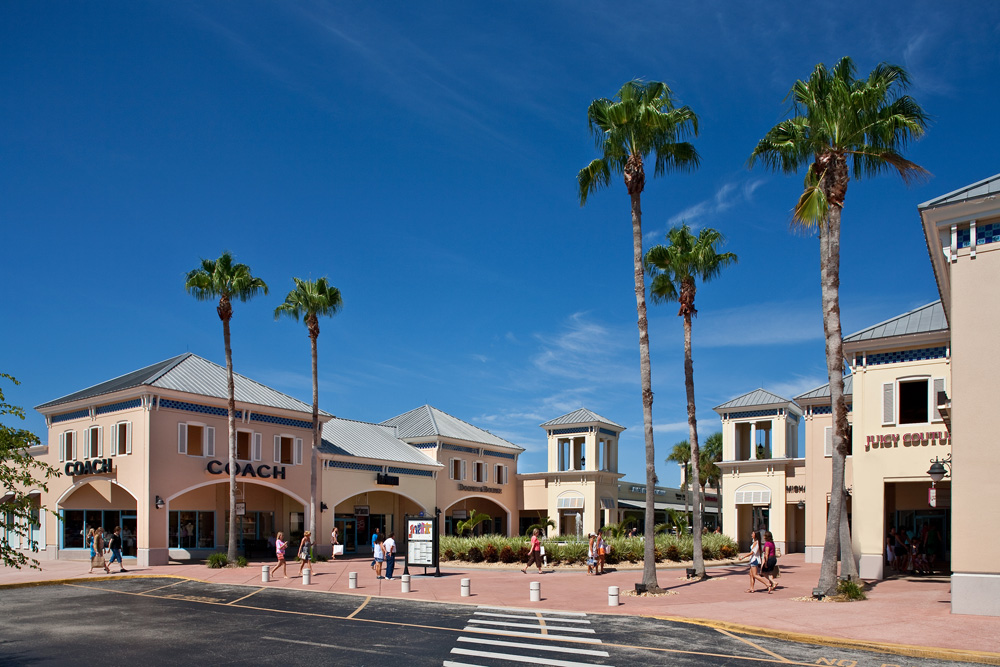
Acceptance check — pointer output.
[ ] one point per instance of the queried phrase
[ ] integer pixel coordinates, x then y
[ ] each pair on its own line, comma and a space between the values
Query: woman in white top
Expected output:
755, 561
591, 553
379, 557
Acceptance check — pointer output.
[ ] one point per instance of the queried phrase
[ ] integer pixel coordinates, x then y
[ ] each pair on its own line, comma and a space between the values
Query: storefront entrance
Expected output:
347, 529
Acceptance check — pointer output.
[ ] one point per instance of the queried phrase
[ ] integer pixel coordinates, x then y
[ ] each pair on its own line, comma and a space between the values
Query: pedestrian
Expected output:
305, 551
389, 547
334, 541
379, 553
279, 547
90, 543
98, 551
718, 530
115, 545
602, 552
375, 537
769, 558
535, 552
754, 557
591, 560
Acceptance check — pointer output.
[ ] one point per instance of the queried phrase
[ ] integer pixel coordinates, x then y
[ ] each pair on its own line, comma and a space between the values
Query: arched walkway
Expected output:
462, 509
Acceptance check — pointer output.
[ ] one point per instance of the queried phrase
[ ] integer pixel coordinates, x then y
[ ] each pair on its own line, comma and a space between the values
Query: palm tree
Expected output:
309, 300
681, 455
837, 119
474, 520
222, 279
711, 454
675, 269
643, 120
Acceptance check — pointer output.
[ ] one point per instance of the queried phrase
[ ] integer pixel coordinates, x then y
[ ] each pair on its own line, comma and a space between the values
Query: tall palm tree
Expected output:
711, 454
223, 280
675, 269
840, 127
642, 120
308, 301
681, 455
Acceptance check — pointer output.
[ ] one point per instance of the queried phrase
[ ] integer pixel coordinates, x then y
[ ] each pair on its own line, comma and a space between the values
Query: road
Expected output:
142, 622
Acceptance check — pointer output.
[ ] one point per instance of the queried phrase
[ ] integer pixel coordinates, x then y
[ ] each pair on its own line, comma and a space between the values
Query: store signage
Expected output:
932, 497
263, 470
92, 467
795, 488
920, 439
361, 510
479, 489
388, 480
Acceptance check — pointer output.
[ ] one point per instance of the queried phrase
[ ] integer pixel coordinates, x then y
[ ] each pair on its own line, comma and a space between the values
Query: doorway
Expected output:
348, 529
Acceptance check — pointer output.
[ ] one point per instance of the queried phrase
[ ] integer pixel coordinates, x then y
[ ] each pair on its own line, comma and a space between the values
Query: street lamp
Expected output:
940, 468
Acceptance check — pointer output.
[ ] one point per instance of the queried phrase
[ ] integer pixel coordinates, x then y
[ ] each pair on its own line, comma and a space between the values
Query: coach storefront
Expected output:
147, 451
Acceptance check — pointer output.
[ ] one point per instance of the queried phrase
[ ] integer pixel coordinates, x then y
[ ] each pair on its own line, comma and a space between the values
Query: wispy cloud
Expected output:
584, 349
726, 197
797, 384
775, 323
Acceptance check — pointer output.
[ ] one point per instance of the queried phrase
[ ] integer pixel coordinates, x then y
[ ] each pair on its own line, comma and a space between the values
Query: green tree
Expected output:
20, 473
676, 269
840, 127
543, 525
643, 120
681, 455
308, 301
475, 519
223, 280
709, 472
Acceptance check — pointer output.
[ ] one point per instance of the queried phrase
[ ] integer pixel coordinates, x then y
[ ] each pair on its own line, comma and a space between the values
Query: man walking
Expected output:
115, 544
389, 547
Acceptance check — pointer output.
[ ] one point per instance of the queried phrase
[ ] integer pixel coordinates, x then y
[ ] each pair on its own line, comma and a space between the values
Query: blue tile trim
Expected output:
984, 234
194, 407
79, 414
347, 465
499, 455
752, 413
425, 445
459, 448
567, 431
282, 421
606, 431
116, 407
410, 471
907, 355
964, 237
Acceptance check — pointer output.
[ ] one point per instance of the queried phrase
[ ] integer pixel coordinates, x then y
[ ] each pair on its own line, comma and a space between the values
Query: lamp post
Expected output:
940, 468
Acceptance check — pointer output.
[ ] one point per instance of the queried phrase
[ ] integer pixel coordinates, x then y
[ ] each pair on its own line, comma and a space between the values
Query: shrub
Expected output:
475, 555
851, 590
522, 553
217, 560
447, 554
506, 554
672, 552
490, 553
241, 561
727, 551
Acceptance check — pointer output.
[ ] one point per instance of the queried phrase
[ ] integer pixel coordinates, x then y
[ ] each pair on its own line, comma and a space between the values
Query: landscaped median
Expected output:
573, 551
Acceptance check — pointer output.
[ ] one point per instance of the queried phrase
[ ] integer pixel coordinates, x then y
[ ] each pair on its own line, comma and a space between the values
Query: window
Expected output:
121, 439
191, 530
563, 455
828, 440
287, 450
67, 446
500, 474
479, 472
911, 401
195, 439
457, 469
94, 445
243, 445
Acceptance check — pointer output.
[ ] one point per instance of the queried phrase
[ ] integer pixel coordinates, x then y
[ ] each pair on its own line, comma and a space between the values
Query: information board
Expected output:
422, 542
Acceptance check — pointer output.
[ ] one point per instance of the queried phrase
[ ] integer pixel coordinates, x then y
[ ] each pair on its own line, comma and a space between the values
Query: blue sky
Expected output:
423, 156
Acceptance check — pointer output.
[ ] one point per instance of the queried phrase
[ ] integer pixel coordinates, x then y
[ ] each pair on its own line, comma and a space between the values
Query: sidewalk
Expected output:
912, 615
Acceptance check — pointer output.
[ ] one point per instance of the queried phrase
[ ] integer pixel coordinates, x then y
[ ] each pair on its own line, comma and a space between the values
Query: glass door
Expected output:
348, 532
128, 535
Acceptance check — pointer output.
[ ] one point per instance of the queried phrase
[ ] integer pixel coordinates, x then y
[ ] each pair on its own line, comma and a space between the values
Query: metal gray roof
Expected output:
752, 399
427, 421
824, 391
191, 374
581, 416
925, 319
371, 441
984, 188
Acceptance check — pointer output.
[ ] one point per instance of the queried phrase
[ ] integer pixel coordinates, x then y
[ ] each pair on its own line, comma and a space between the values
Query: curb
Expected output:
930, 653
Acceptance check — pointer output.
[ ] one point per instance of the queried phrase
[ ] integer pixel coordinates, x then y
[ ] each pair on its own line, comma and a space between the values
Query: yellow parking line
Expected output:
747, 641
354, 613
246, 596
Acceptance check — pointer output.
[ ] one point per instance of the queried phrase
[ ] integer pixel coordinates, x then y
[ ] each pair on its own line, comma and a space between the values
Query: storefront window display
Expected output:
191, 530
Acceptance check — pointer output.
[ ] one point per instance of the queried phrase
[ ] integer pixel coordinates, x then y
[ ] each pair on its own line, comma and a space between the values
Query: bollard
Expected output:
306, 576
406, 583
612, 596
352, 580
265, 573
536, 591
466, 587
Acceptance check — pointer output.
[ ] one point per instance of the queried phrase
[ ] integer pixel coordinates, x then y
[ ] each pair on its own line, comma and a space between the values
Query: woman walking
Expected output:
379, 556
279, 546
535, 552
602, 552
305, 551
591, 551
754, 557
97, 551
334, 541
769, 558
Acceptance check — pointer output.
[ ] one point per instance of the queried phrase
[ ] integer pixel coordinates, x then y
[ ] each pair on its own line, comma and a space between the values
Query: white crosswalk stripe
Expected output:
550, 639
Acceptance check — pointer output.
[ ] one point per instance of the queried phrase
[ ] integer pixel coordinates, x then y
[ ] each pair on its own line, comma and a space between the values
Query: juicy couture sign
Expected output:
918, 439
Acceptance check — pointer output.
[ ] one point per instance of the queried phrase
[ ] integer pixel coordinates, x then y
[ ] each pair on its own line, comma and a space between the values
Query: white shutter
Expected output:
182, 437
128, 437
888, 403
113, 440
62, 447
258, 446
828, 441
209, 441
100, 442
72, 445
277, 449
298, 451
464, 471
938, 388
486, 473
505, 474
451, 468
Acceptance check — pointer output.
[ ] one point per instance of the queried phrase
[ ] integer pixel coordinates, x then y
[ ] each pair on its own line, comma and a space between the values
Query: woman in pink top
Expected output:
535, 553
280, 545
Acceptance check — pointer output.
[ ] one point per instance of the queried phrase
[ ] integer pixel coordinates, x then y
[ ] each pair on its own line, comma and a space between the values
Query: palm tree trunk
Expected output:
231, 387
830, 285
848, 566
696, 504
649, 527
313, 455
